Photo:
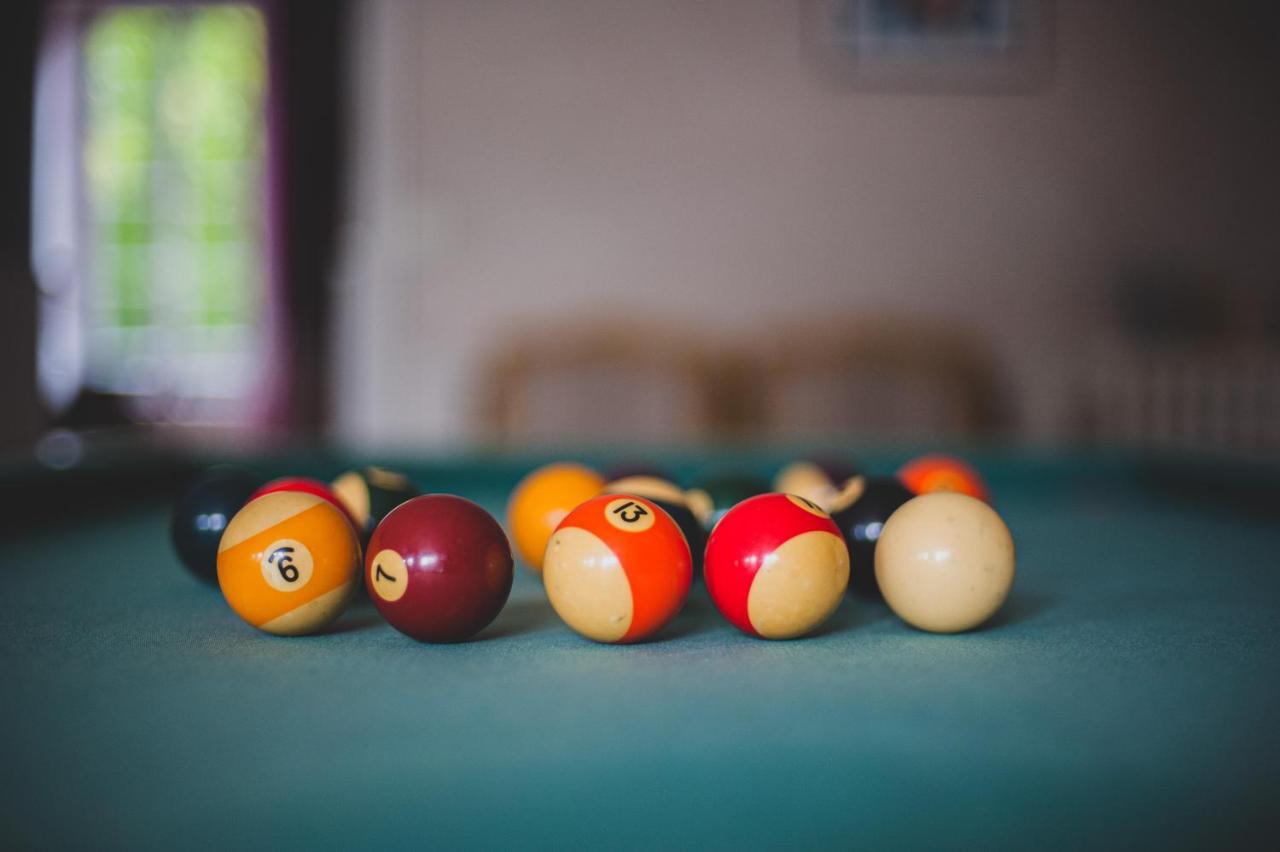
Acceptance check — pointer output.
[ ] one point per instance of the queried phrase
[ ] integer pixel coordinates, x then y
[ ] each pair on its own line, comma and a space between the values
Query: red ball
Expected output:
306, 485
938, 472
438, 568
776, 566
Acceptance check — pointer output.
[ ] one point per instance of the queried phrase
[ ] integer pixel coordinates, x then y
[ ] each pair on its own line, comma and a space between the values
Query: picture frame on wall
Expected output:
932, 46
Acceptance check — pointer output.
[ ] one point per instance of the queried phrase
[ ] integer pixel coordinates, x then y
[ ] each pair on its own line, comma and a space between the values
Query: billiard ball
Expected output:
668, 497
438, 568
816, 481
945, 562
370, 493
617, 568
203, 512
712, 496
937, 472
288, 563
627, 469
540, 502
776, 566
307, 485
860, 510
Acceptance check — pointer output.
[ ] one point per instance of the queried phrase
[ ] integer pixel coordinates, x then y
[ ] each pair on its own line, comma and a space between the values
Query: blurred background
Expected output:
443, 225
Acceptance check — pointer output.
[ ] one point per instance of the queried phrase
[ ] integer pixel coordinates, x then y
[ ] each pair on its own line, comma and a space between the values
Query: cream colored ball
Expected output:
945, 562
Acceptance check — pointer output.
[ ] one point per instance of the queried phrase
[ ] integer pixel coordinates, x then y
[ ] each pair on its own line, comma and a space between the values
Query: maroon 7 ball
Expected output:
438, 568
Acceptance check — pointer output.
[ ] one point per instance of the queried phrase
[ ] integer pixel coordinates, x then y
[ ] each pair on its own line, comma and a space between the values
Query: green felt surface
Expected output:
1127, 695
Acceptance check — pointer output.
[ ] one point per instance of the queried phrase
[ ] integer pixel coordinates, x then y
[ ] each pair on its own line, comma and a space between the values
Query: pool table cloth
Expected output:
1127, 695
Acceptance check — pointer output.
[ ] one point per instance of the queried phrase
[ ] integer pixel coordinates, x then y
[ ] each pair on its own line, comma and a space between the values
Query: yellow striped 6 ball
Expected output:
289, 562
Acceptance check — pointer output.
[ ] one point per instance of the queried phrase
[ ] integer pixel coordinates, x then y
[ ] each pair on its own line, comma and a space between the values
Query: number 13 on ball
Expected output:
617, 568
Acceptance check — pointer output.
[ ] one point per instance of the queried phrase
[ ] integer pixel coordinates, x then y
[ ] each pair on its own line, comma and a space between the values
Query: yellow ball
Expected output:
288, 563
542, 500
945, 562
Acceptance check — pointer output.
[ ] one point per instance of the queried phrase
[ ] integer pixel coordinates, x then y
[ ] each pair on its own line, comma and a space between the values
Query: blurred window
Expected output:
150, 225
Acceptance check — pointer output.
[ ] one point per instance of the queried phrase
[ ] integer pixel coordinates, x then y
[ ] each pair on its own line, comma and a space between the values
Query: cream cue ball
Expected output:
945, 562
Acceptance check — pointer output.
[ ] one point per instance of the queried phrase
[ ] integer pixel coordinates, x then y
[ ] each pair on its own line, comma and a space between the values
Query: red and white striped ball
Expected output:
776, 566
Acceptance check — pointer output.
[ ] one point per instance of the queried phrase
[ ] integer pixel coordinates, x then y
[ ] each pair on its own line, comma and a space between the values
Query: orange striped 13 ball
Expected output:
617, 568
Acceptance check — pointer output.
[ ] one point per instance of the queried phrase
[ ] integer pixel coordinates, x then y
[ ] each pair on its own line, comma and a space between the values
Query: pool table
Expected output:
1127, 695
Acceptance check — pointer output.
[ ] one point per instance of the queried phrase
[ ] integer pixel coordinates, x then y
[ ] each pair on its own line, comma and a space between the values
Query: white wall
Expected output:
519, 161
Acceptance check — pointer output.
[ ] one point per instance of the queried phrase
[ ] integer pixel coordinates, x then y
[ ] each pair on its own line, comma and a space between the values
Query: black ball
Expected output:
203, 513
694, 533
712, 496
838, 469
861, 515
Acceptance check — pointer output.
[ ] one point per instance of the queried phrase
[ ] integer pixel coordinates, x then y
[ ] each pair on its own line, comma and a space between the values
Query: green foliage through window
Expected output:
173, 158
